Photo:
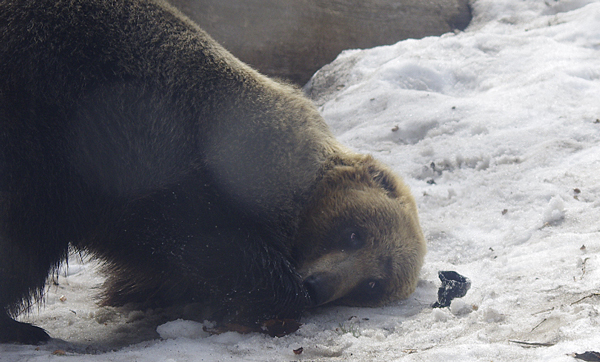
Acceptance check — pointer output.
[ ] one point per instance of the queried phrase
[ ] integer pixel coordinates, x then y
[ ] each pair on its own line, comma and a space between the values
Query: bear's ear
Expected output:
384, 179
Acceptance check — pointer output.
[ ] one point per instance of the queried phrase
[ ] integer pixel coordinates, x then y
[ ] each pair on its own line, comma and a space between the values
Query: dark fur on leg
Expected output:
189, 239
12, 331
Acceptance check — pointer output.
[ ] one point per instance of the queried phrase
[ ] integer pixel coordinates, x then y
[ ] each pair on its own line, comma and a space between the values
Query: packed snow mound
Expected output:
497, 131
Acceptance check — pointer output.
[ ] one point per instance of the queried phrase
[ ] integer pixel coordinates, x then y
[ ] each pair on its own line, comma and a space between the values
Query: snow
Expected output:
497, 132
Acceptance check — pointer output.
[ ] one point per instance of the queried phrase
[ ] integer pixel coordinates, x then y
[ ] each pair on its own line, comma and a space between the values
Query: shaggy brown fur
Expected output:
127, 132
360, 239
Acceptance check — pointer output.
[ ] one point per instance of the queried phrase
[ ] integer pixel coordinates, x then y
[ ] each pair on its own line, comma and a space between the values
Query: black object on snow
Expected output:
588, 356
453, 286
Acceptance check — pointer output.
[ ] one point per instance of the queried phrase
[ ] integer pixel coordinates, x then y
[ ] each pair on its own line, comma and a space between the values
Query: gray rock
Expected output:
292, 39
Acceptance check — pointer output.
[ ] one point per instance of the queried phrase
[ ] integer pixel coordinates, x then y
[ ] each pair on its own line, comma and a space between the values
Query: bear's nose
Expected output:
320, 288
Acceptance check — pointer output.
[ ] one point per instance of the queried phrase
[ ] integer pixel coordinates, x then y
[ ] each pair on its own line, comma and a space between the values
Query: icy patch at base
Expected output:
458, 307
555, 211
182, 328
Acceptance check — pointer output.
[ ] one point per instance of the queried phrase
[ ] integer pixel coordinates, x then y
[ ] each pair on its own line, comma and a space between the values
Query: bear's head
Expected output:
359, 241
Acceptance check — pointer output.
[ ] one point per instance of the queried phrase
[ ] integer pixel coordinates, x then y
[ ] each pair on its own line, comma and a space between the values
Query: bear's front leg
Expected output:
179, 247
12, 331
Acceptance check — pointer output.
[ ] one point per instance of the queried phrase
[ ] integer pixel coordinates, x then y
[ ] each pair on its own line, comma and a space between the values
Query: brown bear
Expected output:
128, 133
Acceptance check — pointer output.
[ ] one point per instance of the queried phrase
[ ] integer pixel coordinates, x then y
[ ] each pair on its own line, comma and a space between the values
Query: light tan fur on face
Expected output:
360, 193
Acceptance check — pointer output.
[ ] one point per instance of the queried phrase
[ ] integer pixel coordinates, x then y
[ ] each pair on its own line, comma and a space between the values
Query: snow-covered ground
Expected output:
497, 131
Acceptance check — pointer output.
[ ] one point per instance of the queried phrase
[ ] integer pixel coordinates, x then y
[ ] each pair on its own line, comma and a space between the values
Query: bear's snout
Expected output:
320, 287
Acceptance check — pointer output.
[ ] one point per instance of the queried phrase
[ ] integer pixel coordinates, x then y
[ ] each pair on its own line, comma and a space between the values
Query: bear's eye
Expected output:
351, 239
